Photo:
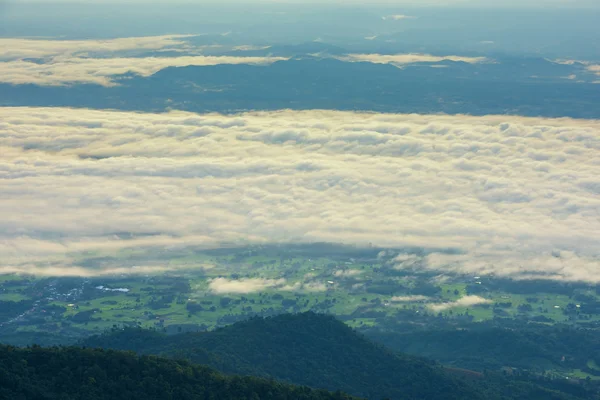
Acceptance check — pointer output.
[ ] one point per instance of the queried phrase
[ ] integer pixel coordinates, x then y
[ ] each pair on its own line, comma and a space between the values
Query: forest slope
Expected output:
69, 373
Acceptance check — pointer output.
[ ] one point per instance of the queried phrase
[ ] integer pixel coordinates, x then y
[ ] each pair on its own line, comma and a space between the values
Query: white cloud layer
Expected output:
409, 299
243, 286
71, 271
98, 61
65, 62
254, 285
467, 301
594, 68
412, 58
559, 265
101, 71
590, 67
519, 196
17, 48
397, 17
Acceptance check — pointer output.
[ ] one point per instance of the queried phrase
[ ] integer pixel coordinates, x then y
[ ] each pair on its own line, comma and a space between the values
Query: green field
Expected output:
363, 289
205, 289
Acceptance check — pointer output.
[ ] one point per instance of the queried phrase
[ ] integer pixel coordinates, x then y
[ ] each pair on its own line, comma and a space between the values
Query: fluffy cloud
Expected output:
594, 68
467, 301
405, 261
61, 62
70, 271
488, 261
405, 59
243, 286
348, 273
508, 193
558, 265
254, 285
15, 48
101, 71
250, 48
409, 299
397, 17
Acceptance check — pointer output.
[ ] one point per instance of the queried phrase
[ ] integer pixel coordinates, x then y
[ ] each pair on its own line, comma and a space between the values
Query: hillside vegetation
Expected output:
536, 348
86, 374
308, 349
320, 351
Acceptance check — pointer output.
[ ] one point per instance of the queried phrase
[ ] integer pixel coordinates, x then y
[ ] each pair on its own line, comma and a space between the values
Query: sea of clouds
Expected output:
513, 196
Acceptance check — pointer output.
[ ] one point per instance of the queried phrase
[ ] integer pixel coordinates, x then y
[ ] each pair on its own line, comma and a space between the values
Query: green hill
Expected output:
319, 351
306, 349
84, 374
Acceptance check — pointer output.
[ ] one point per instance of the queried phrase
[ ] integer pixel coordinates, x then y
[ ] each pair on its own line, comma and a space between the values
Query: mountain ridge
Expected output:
308, 349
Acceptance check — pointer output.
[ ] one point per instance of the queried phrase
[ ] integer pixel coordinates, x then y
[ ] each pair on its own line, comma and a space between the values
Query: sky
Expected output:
525, 27
427, 3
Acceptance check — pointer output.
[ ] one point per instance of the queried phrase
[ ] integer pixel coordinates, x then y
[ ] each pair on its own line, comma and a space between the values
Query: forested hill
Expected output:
307, 349
84, 374
320, 351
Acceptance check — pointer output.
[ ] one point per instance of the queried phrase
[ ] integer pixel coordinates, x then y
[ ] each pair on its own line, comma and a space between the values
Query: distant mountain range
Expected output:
521, 86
